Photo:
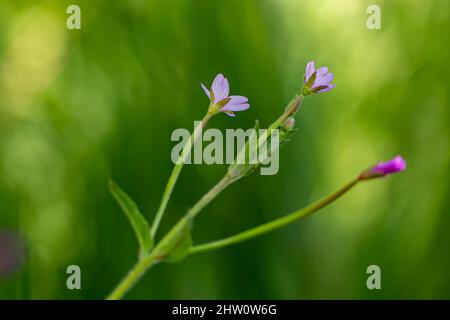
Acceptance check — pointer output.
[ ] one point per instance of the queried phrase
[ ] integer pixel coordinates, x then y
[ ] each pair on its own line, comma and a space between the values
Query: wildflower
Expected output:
381, 169
317, 81
220, 101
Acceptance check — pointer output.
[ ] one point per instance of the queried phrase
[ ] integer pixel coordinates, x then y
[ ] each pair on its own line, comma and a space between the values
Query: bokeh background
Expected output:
80, 106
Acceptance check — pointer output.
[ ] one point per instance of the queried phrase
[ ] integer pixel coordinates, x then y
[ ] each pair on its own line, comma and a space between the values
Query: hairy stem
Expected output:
175, 174
274, 224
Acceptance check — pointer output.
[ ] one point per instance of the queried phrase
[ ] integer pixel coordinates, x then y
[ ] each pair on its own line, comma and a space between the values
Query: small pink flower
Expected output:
317, 81
218, 95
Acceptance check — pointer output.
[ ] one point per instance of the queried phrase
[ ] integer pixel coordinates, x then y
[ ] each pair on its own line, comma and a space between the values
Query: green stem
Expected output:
175, 174
274, 224
289, 111
209, 196
133, 276
145, 263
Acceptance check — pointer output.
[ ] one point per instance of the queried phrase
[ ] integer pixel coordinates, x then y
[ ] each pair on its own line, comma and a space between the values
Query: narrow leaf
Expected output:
137, 220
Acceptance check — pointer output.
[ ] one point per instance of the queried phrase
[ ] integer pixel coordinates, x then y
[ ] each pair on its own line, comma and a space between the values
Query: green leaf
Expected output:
176, 244
137, 220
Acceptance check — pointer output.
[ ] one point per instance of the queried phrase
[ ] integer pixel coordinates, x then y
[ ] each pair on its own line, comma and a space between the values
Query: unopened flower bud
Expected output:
289, 124
382, 169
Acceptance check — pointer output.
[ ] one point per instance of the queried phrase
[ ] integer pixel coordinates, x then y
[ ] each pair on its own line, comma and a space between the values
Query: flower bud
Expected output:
382, 169
289, 123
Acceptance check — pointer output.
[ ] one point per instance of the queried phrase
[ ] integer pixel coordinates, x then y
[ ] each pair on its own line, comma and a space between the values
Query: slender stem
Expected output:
290, 111
227, 179
176, 172
145, 263
274, 224
133, 276
209, 196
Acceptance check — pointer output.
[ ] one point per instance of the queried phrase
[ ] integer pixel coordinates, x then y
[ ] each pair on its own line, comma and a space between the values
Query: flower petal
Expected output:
206, 90
225, 90
217, 83
321, 72
237, 100
220, 87
328, 88
236, 107
324, 80
309, 70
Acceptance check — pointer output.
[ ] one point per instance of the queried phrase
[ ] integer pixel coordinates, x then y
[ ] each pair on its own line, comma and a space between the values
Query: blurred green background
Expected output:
80, 106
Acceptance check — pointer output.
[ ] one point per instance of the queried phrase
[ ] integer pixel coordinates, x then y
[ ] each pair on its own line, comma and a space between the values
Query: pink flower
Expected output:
317, 81
219, 98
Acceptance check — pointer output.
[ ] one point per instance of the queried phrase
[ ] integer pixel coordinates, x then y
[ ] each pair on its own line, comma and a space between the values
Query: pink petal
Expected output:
237, 100
220, 87
309, 69
325, 79
206, 90
321, 72
237, 107
225, 90
217, 83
